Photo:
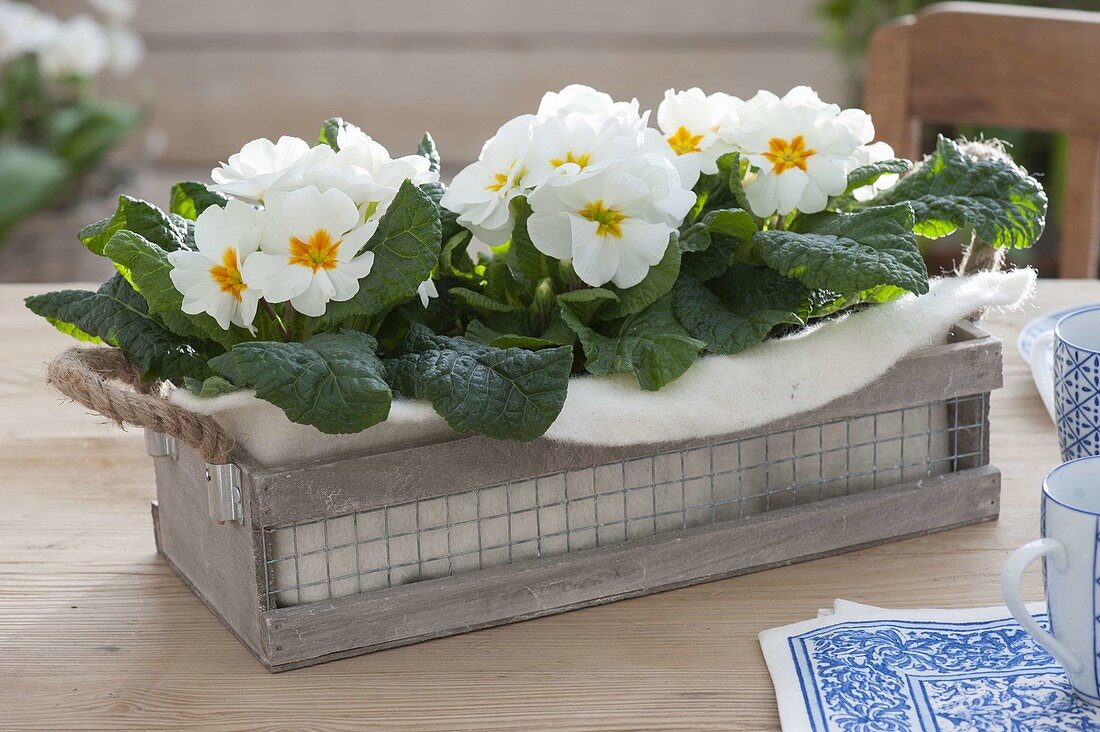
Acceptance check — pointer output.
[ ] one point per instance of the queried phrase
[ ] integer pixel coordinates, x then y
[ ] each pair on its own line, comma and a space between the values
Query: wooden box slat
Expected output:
225, 564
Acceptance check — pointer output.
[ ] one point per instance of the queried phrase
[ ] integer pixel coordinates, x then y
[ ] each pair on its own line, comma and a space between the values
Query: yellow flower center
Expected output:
578, 160
785, 155
607, 218
318, 252
683, 142
228, 274
502, 180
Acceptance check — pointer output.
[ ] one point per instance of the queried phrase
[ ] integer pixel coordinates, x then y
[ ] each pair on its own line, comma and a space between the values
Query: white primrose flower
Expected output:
360, 150
115, 11
23, 29
614, 224
309, 251
319, 168
250, 172
692, 123
802, 148
868, 152
210, 279
426, 290
125, 49
78, 47
482, 192
577, 144
578, 98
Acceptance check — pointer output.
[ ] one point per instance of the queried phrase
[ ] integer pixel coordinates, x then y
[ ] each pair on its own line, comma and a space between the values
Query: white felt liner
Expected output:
718, 394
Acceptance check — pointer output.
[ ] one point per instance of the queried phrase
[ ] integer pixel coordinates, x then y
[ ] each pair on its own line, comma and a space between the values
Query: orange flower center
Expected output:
578, 160
683, 142
228, 274
607, 218
785, 155
318, 252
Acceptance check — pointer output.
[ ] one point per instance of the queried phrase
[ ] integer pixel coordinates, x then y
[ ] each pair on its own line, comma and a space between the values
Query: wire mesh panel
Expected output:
613, 503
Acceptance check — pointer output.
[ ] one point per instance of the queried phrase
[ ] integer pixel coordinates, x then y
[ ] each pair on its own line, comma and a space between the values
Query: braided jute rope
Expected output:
105, 381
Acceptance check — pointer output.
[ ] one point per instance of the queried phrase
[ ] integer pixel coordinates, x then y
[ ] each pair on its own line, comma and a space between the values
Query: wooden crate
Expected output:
328, 559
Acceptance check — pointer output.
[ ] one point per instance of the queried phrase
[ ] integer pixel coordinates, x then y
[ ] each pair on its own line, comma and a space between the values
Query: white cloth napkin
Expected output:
858, 667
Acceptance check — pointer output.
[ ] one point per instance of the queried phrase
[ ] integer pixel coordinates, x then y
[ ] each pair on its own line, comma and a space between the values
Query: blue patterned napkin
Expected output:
865, 668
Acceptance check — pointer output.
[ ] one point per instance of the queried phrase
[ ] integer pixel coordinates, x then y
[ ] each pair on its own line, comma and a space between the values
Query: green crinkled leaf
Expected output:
506, 393
723, 189
212, 386
329, 131
478, 332
741, 308
332, 381
730, 222
588, 303
189, 199
142, 218
650, 345
480, 301
656, 285
715, 259
865, 175
1003, 205
406, 249
824, 303
523, 255
118, 316
448, 220
146, 267
427, 149
848, 253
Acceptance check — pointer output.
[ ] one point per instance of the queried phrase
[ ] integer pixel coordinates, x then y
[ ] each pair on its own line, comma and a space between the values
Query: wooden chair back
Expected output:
1002, 65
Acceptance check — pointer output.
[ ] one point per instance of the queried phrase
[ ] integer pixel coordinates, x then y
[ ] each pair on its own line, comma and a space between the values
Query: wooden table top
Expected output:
96, 631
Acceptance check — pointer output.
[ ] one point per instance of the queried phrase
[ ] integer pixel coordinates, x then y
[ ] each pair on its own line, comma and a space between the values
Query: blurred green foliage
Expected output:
849, 25
53, 134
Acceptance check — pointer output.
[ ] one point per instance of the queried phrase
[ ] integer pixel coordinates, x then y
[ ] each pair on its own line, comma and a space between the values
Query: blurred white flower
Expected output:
210, 279
125, 49
482, 192
115, 12
578, 98
23, 29
310, 250
577, 144
249, 172
692, 123
802, 148
426, 290
614, 224
78, 47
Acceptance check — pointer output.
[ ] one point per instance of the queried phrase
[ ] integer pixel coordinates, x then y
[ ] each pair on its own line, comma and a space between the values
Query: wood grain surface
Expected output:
222, 73
97, 633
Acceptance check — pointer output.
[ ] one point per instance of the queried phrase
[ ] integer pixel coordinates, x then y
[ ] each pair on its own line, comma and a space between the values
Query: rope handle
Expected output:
105, 381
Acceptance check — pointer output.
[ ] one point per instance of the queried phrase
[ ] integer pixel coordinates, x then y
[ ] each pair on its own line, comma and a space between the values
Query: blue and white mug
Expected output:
1077, 383
1071, 573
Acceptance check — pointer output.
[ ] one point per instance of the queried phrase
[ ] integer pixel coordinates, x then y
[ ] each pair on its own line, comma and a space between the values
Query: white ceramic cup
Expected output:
1071, 573
1077, 383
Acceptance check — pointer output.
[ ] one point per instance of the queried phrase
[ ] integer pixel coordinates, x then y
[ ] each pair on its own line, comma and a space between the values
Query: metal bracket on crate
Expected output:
158, 444
223, 493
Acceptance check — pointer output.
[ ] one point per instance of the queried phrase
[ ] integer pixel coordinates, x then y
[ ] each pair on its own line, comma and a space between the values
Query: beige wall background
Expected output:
229, 71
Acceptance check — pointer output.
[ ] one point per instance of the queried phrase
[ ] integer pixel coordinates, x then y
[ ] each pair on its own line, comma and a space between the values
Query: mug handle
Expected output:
1011, 576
